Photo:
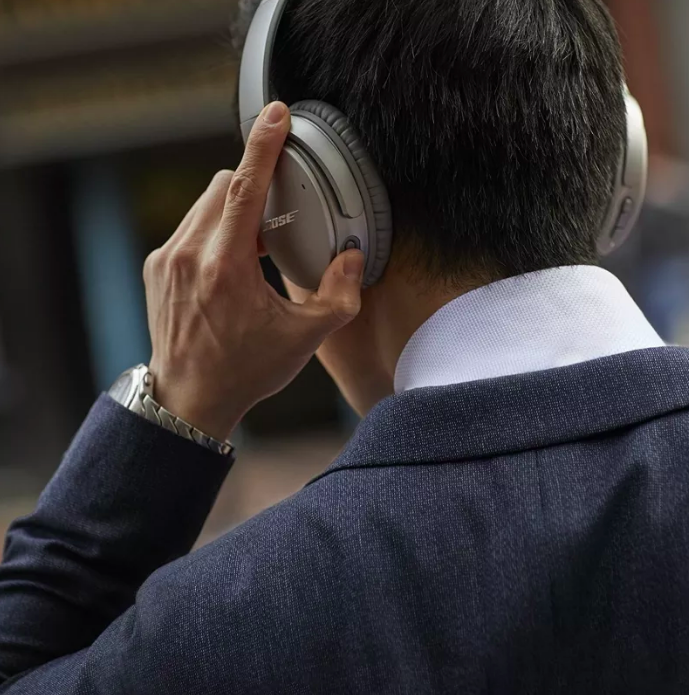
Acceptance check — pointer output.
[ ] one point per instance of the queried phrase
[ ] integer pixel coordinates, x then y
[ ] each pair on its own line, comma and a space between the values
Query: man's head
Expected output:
497, 125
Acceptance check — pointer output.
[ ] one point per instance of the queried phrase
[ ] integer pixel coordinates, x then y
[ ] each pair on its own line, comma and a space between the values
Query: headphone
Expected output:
327, 196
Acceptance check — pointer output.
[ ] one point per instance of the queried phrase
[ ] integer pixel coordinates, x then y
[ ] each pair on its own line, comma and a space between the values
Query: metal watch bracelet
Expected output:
143, 404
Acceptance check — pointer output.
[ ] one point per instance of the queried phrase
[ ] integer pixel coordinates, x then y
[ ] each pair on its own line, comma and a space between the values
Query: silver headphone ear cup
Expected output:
630, 183
381, 231
298, 228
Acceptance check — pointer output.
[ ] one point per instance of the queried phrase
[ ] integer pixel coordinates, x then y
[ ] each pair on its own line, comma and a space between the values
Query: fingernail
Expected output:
354, 265
274, 113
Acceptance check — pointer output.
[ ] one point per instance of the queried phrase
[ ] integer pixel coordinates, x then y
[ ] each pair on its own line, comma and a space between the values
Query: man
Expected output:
514, 519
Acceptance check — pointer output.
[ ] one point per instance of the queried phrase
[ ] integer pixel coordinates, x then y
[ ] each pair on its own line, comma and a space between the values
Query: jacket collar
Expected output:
515, 413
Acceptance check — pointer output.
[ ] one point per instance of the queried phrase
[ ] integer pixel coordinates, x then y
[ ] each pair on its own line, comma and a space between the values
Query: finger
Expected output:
205, 215
338, 299
210, 210
246, 197
183, 225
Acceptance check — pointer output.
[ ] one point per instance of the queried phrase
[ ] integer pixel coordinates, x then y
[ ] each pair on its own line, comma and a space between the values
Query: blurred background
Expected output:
114, 115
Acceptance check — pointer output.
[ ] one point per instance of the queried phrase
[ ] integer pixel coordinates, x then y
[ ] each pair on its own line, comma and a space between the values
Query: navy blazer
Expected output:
527, 534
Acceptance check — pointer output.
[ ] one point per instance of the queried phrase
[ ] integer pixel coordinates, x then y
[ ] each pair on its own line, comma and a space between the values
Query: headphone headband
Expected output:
254, 72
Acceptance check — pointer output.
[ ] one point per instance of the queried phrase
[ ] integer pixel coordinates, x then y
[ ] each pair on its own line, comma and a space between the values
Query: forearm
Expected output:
127, 498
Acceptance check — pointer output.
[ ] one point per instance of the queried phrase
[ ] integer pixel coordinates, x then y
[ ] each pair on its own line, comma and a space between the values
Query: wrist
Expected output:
134, 390
215, 416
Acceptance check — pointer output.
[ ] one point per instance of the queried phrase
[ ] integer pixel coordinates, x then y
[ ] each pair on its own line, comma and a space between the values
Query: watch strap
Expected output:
144, 405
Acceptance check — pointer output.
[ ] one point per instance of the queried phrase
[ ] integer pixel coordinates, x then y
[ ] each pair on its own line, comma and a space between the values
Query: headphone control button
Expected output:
625, 211
351, 243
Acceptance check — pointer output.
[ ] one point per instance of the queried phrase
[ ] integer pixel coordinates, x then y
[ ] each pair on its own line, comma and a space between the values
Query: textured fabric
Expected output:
128, 498
527, 534
552, 318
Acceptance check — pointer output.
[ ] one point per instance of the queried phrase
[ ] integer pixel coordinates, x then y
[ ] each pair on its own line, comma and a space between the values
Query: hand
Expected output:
222, 338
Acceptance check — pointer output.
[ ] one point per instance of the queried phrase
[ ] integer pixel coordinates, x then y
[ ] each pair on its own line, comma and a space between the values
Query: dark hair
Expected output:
497, 125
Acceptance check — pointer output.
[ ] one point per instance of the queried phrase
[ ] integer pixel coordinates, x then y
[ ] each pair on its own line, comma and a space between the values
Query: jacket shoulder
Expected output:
264, 586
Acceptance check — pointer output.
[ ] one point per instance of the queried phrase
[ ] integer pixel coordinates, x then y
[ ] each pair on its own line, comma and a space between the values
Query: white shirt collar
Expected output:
551, 318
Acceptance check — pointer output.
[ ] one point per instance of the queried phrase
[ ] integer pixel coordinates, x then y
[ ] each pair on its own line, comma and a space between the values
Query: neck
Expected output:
402, 305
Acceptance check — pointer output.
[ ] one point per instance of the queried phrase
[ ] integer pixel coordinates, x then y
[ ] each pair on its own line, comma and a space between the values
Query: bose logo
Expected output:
280, 221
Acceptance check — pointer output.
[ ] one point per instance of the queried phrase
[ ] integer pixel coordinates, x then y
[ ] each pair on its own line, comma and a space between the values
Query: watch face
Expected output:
122, 388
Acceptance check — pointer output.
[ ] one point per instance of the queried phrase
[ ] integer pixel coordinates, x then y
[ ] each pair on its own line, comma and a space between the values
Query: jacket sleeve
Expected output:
157, 647
195, 628
128, 498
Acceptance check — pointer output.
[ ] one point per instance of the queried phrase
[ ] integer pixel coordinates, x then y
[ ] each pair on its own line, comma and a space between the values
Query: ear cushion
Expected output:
381, 238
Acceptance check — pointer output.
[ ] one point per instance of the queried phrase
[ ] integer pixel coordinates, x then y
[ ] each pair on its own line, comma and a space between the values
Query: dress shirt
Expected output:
542, 320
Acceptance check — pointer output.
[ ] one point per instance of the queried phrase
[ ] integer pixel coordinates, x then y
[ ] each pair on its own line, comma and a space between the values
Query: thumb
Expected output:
338, 299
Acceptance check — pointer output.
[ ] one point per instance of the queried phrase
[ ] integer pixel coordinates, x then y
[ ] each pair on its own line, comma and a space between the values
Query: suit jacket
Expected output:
527, 534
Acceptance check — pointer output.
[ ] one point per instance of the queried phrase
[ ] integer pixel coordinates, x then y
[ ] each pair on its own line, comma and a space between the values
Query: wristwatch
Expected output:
134, 390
